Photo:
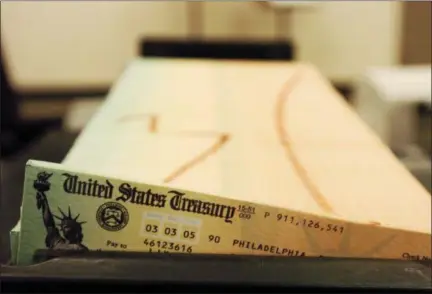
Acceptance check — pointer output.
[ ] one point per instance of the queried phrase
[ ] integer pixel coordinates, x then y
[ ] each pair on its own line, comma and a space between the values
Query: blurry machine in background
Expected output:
396, 104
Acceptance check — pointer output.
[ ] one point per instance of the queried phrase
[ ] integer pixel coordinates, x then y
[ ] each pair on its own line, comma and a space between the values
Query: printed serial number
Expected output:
246, 211
165, 247
310, 224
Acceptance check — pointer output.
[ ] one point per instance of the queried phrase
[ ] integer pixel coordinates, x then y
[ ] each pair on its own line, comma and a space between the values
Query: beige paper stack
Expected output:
272, 134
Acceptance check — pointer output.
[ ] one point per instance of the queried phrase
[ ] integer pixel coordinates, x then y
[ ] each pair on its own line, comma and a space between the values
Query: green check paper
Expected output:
67, 210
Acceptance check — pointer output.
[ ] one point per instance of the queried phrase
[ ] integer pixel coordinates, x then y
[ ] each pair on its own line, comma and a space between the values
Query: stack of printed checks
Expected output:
225, 157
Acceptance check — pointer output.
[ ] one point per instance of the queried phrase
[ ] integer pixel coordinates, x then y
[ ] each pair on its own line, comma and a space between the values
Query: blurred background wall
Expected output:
417, 32
51, 45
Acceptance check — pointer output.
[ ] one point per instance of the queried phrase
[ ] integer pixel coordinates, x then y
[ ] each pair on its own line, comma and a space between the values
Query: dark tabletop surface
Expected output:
124, 272
52, 147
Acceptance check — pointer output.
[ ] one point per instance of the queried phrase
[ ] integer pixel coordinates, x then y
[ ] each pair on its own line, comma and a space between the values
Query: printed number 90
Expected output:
214, 239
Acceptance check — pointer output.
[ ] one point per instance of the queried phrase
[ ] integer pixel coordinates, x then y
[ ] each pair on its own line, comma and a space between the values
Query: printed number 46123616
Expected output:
152, 244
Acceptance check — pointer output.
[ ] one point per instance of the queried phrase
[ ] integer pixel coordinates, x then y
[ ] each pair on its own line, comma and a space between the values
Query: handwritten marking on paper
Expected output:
220, 142
222, 139
286, 143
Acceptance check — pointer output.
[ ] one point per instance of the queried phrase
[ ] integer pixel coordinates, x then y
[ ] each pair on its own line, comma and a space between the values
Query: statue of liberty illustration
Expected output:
68, 234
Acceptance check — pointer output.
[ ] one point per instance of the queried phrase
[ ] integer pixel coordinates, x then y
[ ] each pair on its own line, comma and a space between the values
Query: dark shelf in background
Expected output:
217, 49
